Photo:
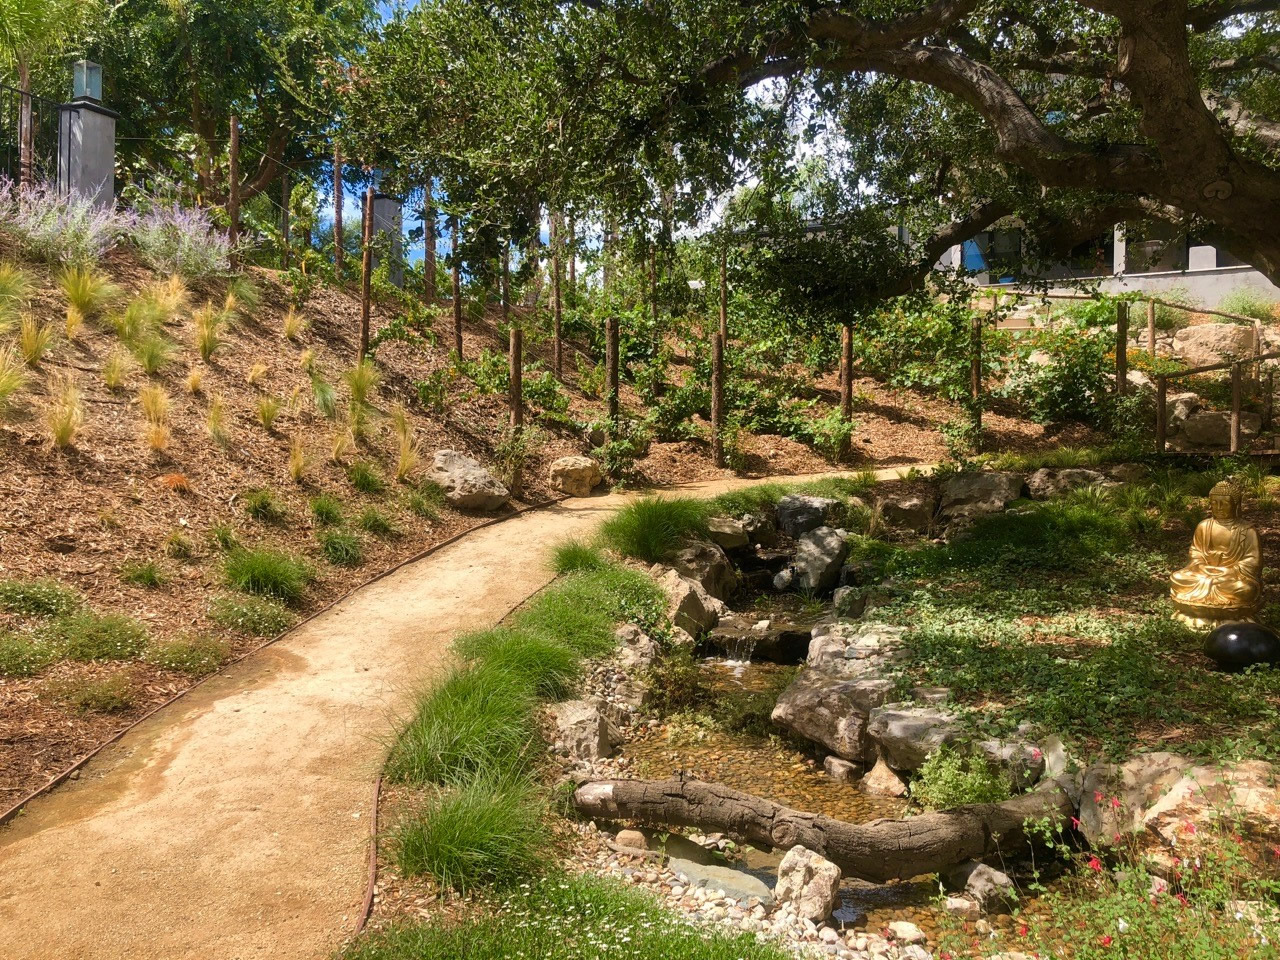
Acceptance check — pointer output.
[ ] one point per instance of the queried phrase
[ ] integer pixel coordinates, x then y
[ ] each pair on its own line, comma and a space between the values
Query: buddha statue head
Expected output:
1224, 501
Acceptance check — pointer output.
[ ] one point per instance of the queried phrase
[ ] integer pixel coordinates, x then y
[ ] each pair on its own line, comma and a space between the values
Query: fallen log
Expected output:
879, 851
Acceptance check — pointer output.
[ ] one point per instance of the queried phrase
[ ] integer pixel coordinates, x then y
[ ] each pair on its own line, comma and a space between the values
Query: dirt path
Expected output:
234, 824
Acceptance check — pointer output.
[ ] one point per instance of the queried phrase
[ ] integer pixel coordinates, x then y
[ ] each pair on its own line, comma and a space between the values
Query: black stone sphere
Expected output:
1235, 646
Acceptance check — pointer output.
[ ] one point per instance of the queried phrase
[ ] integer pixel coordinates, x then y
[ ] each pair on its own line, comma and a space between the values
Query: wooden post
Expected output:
1151, 328
573, 259
557, 348
454, 227
611, 370
429, 241
1162, 416
366, 272
26, 128
1122, 348
846, 380
975, 368
1235, 406
724, 292
233, 197
717, 398
515, 369
337, 212
284, 220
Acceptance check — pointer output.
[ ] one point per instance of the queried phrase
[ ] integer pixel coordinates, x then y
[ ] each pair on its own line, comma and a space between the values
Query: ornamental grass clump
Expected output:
256, 616
64, 413
651, 528
365, 478
34, 338
326, 510
267, 573
549, 665
89, 294
13, 377
261, 504
340, 548
208, 323
143, 573
571, 556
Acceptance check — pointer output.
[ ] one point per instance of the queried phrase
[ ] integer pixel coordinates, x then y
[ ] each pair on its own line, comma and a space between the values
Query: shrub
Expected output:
102, 695
65, 414
949, 779
24, 654
546, 663
372, 520
45, 597
143, 574
181, 240
651, 528
326, 510
1249, 303
486, 831
256, 616
58, 227
196, 655
574, 555
261, 504
268, 573
478, 719
365, 478
340, 548
88, 636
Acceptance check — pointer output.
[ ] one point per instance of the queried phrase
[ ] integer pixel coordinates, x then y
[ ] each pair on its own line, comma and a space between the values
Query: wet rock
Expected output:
1115, 797
797, 514
727, 533
466, 484
689, 606
1046, 483
975, 493
990, 889
907, 735
819, 556
841, 770
776, 640
1209, 343
734, 883
707, 564
824, 709
809, 882
882, 781
582, 731
576, 476
914, 513
904, 931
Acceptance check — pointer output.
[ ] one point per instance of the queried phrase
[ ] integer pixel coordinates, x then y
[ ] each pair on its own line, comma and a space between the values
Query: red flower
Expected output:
1037, 753
1115, 803
1189, 827
1105, 939
1022, 930
1097, 796
1075, 825
1095, 864
1182, 899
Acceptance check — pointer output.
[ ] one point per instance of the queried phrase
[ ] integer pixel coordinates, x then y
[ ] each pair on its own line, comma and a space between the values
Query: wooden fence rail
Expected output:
1237, 390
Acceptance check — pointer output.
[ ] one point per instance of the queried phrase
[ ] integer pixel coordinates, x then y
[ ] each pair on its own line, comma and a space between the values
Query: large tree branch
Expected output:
1209, 15
1242, 122
268, 165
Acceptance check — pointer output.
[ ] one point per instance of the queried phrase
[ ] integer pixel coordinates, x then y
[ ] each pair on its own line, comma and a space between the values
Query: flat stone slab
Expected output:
734, 883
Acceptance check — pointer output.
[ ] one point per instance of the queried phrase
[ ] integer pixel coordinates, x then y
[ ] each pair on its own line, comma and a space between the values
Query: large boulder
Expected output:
1212, 428
809, 882
576, 476
989, 888
727, 533
707, 564
466, 484
1209, 343
637, 651
797, 513
1046, 483
745, 638
819, 555
1114, 798
826, 709
689, 606
1179, 406
582, 731
914, 513
972, 493
907, 735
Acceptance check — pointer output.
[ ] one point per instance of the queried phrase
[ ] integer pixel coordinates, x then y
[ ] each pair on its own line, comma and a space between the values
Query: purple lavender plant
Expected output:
58, 227
181, 240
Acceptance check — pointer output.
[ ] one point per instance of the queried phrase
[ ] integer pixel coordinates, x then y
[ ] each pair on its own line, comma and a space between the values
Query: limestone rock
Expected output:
907, 735
726, 533
1179, 406
974, 493
849, 603
576, 476
824, 709
466, 484
903, 931
1024, 761
1212, 428
809, 882
761, 529
990, 889
841, 770
1114, 798
632, 839
735, 883
689, 606
961, 907
819, 555
582, 731
1127, 472
914, 513
637, 651
1208, 343
1046, 483
881, 781
797, 514
707, 564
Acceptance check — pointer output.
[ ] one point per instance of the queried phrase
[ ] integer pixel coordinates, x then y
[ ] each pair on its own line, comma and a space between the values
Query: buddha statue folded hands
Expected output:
1223, 580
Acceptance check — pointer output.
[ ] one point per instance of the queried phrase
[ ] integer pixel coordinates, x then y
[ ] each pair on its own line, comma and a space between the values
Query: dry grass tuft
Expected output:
154, 402
307, 360
257, 373
89, 294
195, 381
267, 410
34, 338
64, 415
299, 460
114, 370
343, 444
157, 436
216, 422
410, 451
208, 331
177, 482
293, 324
13, 377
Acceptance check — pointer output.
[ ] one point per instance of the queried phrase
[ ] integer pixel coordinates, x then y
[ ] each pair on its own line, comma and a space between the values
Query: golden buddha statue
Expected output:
1223, 580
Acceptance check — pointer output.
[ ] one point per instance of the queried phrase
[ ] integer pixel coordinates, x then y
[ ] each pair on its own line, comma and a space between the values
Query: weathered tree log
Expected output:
879, 851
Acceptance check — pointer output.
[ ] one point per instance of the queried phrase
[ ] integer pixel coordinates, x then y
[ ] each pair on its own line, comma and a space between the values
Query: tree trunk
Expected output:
846, 382
880, 851
454, 227
611, 372
233, 195
284, 220
366, 273
557, 346
717, 399
26, 128
515, 370
573, 260
429, 242
337, 212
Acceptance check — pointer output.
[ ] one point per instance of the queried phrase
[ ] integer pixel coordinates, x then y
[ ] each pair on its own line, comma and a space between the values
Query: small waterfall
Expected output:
739, 649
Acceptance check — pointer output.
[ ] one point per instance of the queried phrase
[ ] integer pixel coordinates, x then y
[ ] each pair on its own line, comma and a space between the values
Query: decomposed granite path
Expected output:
234, 824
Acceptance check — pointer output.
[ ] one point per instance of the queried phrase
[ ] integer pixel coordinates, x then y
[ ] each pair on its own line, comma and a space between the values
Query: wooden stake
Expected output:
717, 399
846, 380
1122, 348
429, 239
284, 220
366, 273
454, 227
1151, 328
233, 197
1235, 406
611, 371
556, 265
337, 212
